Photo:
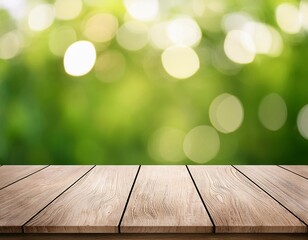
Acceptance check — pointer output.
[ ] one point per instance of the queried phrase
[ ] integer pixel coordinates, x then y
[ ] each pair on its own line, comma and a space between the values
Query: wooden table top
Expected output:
191, 200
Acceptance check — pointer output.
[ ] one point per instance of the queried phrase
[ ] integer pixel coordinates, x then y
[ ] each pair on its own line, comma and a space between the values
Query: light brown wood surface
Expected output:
239, 206
164, 199
12, 173
22, 200
288, 188
93, 205
153, 236
298, 169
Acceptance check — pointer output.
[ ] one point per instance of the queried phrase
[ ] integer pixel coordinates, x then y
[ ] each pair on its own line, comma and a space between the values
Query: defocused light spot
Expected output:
235, 21
302, 121
101, 27
288, 18
133, 36
303, 10
41, 17
79, 58
180, 62
144, 10
266, 39
261, 36
226, 113
16, 8
166, 144
68, 9
10, 45
110, 66
60, 39
211, 7
247, 38
209, 13
239, 47
184, 31
159, 36
273, 111
201, 144
277, 43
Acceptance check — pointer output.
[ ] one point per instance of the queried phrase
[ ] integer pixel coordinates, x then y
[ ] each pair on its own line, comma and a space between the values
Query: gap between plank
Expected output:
292, 172
270, 195
23, 177
212, 221
22, 227
130, 192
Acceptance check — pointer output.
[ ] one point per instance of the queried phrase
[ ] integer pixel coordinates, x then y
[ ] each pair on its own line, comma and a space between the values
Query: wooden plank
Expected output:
93, 205
288, 188
153, 236
12, 173
298, 169
22, 200
239, 206
164, 199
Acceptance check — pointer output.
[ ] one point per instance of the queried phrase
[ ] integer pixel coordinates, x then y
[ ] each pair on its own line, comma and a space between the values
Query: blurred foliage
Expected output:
50, 117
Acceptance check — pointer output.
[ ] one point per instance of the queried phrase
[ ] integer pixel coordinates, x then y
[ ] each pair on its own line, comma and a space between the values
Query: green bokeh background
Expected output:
50, 117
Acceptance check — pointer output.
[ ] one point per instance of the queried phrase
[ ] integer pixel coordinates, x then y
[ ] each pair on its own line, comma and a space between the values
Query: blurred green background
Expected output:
153, 82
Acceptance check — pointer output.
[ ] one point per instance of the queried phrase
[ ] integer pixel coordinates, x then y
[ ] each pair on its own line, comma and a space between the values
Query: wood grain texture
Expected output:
288, 188
164, 199
298, 169
22, 200
239, 206
12, 173
153, 236
93, 205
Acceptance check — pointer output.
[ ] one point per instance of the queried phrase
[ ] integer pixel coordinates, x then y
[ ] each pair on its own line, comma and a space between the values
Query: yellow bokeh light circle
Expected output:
288, 18
266, 39
166, 144
180, 62
226, 113
201, 144
239, 47
144, 10
68, 9
273, 112
101, 27
184, 31
302, 122
133, 35
41, 17
79, 58
10, 45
